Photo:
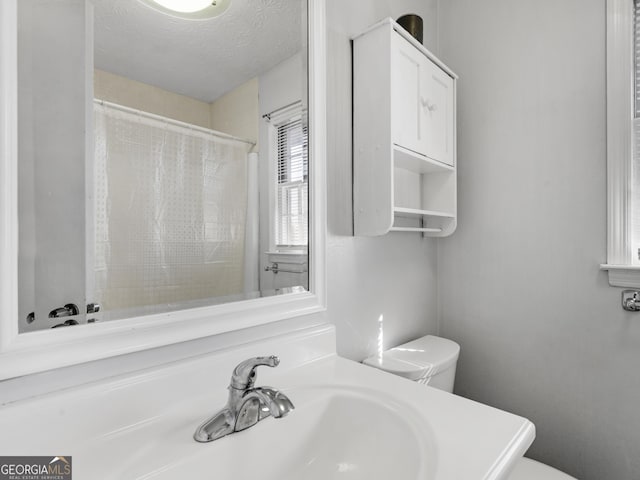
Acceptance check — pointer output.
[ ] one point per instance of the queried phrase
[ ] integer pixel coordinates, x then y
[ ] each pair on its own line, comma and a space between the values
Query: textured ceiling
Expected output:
202, 59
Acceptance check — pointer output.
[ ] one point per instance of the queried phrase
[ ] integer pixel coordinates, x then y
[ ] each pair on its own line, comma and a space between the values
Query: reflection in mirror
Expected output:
163, 161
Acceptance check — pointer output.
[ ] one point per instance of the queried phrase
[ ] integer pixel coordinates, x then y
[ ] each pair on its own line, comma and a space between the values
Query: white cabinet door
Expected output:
407, 71
422, 103
436, 113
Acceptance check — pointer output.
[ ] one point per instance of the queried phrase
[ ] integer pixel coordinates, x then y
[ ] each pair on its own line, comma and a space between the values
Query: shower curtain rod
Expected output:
171, 121
290, 106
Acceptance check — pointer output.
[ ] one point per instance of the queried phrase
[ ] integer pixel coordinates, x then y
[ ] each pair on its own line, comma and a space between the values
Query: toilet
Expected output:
432, 361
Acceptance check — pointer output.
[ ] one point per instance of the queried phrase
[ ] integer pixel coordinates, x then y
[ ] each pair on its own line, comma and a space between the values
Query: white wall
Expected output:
542, 333
392, 276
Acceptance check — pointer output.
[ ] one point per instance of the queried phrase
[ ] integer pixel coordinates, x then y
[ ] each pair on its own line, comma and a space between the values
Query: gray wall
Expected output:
393, 276
542, 333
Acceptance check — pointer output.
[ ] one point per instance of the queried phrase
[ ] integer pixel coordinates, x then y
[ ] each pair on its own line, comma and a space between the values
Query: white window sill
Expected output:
623, 275
287, 252
299, 257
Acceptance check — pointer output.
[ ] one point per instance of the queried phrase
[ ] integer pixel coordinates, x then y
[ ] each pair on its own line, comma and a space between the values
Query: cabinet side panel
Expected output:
372, 156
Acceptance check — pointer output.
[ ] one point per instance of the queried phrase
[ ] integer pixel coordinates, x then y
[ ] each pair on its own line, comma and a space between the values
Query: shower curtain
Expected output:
170, 213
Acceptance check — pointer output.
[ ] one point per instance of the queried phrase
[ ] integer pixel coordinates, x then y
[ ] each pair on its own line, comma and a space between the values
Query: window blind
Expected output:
292, 196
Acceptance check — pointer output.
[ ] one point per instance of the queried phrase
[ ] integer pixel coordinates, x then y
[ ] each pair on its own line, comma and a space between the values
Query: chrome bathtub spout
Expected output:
246, 405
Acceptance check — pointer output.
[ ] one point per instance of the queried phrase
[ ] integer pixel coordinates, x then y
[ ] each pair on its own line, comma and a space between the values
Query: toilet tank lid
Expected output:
420, 358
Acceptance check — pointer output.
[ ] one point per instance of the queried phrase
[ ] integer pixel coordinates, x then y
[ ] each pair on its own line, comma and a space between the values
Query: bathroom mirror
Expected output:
141, 166
157, 173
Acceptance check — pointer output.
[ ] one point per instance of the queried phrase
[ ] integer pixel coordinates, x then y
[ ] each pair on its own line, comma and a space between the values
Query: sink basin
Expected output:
351, 422
332, 434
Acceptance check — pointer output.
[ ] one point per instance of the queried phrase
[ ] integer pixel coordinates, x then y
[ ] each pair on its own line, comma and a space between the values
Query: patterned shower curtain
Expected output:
170, 212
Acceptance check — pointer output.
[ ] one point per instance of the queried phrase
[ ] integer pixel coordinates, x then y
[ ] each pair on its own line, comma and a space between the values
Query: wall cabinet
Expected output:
404, 135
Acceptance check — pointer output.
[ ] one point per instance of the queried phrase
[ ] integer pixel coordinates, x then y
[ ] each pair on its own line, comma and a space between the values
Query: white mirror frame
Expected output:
48, 349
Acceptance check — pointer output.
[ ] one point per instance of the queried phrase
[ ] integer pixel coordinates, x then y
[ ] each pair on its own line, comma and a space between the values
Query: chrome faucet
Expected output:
247, 404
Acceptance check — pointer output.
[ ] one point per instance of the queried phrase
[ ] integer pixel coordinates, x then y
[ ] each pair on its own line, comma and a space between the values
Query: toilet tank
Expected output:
429, 360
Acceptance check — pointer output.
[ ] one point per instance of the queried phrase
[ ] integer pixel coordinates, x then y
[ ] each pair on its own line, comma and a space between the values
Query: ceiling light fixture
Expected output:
189, 9
185, 6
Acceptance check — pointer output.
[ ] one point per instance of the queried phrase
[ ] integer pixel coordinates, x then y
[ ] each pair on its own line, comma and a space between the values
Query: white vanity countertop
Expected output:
141, 426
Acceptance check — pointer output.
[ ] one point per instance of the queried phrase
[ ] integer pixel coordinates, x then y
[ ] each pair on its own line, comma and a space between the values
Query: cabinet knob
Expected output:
425, 103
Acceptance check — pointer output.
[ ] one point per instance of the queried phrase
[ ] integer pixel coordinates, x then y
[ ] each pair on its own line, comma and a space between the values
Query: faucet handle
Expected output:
244, 375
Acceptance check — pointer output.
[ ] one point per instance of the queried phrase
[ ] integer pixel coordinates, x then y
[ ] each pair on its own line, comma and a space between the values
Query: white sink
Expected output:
351, 422
344, 433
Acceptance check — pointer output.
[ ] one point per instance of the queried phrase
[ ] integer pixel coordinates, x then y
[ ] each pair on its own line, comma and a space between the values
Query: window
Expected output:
292, 189
623, 150
635, 167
